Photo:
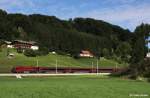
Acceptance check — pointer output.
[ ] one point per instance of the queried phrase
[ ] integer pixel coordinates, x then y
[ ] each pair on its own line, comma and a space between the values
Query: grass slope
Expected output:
71, 87
50, 60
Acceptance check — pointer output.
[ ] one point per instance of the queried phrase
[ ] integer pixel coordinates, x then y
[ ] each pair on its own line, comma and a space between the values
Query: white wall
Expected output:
10, 46
148, 55
34, 47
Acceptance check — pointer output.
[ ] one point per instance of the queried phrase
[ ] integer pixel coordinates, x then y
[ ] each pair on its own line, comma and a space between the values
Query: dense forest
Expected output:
69, 36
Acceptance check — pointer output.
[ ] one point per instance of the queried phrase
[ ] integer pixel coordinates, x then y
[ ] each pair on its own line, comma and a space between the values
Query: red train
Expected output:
30, 69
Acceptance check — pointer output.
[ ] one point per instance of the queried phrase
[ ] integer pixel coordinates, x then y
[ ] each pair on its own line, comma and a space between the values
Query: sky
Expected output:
125, 13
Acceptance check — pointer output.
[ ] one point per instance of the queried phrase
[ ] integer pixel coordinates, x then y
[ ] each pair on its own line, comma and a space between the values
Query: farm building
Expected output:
148, 55
8, 43
25, 44
86, 53
22, 45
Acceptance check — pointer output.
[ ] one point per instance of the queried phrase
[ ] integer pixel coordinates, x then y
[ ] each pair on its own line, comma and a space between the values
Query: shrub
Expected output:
43, 51
148, 79
30, 53
61, 53
133, 76
75, 56
19, 50
106, 53
1, 43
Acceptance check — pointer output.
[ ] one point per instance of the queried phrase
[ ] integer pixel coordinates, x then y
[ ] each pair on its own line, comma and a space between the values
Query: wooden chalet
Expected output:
86, 53
25, 44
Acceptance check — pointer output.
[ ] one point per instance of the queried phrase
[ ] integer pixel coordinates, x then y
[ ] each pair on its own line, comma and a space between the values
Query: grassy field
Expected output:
72, 87
50, 60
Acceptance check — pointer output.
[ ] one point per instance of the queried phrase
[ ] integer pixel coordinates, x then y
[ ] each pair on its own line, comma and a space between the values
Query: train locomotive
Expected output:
31, 69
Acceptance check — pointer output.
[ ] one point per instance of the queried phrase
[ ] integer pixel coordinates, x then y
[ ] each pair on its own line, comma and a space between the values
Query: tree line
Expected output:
69, 36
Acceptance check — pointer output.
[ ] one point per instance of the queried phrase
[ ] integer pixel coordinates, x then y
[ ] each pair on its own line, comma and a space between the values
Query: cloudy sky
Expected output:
126, 13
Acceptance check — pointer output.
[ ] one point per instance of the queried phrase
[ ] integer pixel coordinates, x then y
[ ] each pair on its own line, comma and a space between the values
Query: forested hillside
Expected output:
67, 36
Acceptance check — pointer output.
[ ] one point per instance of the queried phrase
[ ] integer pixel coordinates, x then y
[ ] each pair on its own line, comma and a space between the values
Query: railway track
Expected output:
43, 74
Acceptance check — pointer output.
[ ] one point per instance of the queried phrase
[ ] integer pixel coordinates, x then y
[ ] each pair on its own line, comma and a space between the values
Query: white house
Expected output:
86, 53
10, 46
148, 55
34, 47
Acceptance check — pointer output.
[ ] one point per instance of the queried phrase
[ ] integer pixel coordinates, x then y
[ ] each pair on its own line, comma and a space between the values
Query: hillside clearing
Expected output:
50, 60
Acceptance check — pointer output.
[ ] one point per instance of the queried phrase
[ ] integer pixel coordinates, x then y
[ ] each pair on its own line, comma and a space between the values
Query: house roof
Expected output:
86, 52
26, 42
7, 42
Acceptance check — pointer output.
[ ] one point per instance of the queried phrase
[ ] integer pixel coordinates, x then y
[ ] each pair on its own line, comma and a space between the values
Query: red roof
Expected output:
86, 52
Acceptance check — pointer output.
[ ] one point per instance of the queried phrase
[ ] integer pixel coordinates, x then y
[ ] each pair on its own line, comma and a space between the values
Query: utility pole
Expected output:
92, 67
56, 67
116, 66
37, 63
97, 67
7, 52
148, 44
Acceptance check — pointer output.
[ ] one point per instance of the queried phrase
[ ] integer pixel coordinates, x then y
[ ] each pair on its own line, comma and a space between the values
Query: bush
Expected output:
19, 50
30, 53
147, 74
75, 56
133, 76
117, 59
61, 52
148, 79
105, 53
141, 69
43, 51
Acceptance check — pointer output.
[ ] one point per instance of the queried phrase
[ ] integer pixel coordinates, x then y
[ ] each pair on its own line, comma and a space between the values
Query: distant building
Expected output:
20, 44
85, 53
9, 44
53, 52
34, 47
148, 55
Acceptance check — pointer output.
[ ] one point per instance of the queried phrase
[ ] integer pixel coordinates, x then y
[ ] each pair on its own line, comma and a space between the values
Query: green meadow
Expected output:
73, 87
